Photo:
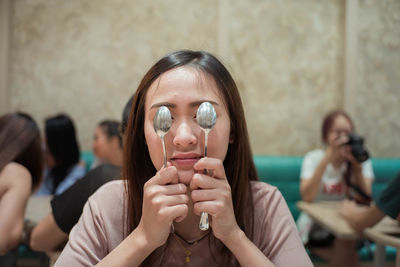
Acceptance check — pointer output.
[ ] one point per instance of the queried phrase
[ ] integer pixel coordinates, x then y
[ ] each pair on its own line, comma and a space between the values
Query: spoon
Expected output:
162, 123
206, 118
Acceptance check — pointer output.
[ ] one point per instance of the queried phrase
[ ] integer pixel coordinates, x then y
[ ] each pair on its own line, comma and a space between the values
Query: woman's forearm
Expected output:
362, 182
309, 187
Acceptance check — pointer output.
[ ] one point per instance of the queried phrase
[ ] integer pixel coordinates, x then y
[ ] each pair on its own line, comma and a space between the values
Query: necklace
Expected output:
187, 250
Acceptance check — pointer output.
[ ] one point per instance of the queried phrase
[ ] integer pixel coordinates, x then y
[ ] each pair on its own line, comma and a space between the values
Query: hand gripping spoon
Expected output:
206, 118
162, 123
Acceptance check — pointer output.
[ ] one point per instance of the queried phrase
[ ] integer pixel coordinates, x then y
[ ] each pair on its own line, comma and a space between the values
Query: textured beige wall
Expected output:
86, 58
378, 76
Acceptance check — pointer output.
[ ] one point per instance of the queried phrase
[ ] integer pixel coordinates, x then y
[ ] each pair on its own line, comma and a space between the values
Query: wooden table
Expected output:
326, 214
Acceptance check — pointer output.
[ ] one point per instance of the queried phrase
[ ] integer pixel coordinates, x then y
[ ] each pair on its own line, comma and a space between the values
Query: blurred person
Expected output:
52, 232
324, 173
62, 156
21, 170
107, 143
388, 203
151, 217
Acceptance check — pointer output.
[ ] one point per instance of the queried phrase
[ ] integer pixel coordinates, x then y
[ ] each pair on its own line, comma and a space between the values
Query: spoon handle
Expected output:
204, 224
165, 153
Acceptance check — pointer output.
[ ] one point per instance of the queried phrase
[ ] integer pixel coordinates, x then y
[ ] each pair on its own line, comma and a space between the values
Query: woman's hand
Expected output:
212, 194
355, 164
336, 149
164, 200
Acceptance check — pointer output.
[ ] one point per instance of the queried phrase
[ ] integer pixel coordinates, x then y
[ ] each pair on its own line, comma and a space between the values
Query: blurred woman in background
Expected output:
21, 167
325, 176
107, 143
61, 156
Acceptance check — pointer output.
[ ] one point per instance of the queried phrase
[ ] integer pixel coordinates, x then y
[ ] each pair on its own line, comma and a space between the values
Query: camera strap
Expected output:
365, 199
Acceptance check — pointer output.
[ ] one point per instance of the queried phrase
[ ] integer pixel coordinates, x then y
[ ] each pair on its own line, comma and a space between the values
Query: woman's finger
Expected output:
163, 200
216, 165
206, 182
211, 207
172, 213
170, 189
165, 176
209, 194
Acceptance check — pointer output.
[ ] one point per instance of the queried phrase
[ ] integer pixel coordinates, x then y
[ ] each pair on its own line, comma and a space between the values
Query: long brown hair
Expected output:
238, 163
20, 142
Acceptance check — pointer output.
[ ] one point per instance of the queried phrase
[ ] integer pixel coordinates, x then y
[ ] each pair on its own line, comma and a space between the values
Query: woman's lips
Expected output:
185, 160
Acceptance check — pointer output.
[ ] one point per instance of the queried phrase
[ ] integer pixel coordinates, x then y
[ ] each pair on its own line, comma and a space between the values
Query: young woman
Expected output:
129, 223
323, 179
107, 143
61, 155
21, 166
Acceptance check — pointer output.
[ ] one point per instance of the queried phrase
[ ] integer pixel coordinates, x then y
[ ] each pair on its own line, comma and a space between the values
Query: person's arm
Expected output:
309, 187
47, 236
360, 217
363, 182
12, 205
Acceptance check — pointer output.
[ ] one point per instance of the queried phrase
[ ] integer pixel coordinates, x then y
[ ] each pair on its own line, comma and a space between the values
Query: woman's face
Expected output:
100, 144
341, 126
182, 90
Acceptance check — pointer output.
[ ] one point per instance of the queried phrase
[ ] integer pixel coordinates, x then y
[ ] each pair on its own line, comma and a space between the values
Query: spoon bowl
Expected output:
206, 118
162, 123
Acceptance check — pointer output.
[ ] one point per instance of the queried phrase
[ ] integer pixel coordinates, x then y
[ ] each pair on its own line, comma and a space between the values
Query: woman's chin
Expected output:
185, 176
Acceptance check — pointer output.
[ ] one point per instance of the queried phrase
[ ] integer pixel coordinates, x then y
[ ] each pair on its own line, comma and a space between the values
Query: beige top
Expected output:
100, 230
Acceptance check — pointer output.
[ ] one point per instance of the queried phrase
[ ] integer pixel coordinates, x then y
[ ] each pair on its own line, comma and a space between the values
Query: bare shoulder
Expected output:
15, 174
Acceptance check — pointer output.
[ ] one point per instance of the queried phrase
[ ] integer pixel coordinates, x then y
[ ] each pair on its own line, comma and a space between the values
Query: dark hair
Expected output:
125, 115
63, 145
20, 142
111, 129
238, 163
329, 119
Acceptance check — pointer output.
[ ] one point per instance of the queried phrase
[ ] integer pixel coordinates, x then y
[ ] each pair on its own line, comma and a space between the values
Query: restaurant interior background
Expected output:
293, 61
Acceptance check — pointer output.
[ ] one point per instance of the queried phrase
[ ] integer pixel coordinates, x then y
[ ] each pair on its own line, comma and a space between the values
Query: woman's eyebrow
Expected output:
198, 103
167, 104
191, 104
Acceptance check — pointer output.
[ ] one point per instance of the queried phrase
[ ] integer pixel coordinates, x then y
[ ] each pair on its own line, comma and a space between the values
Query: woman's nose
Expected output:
184, 135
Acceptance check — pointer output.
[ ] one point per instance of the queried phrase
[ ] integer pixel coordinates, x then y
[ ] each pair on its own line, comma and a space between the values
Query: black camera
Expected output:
356, 143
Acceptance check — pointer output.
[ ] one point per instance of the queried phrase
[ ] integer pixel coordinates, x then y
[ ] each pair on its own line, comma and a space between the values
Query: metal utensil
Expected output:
206, 118
162, 123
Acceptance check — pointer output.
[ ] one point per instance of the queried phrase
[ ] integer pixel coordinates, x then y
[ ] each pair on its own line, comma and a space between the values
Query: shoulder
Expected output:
14, 177
109, 194
107, 205
15, 173
315, 154
264, 194
77, 169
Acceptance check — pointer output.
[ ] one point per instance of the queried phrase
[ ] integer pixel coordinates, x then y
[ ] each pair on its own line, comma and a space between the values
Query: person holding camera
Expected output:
339, 171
